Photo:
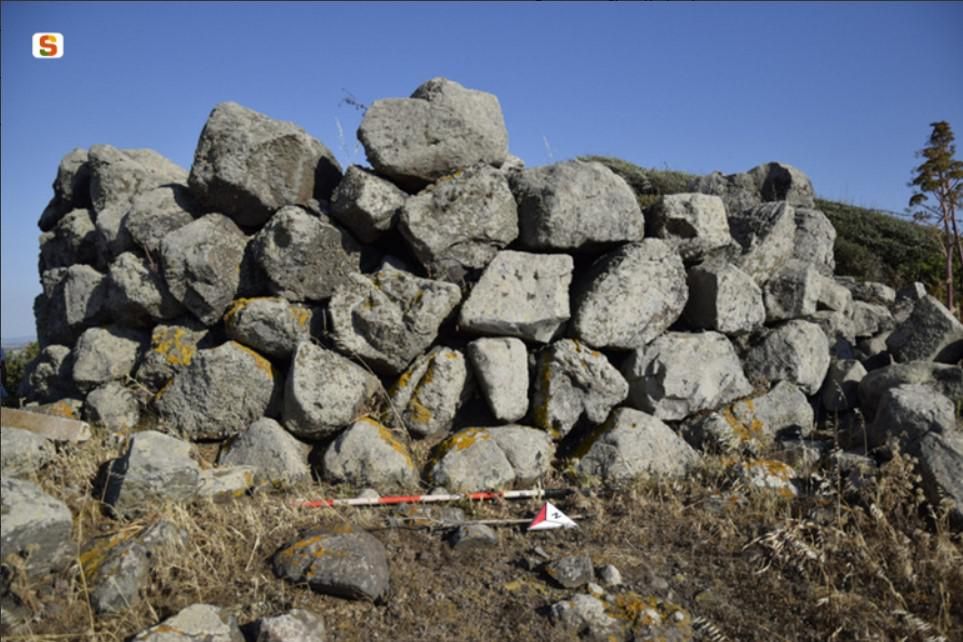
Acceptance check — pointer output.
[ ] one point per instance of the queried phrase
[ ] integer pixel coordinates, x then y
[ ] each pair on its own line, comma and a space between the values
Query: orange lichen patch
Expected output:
167, 628
463, 439
388, 437
772, 467
236, 306
417, 412
173, 348
260, 361
744, 431
62, 409
301, 315
300, 545
93, 558
645, 610
402, 381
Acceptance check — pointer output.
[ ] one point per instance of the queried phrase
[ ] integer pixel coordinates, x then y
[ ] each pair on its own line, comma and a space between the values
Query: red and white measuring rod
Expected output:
430, 499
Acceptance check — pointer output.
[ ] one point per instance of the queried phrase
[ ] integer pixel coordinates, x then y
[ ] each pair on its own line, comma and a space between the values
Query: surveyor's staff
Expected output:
430, 499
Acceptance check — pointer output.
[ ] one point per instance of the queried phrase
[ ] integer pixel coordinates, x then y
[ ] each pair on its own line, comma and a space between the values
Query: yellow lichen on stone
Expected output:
646, 610
62, 409
173, 348
301, 315
236, 306
262, 363
464, 439
388, 437
418, 412
300, 545
744, 431
92, 559
167, 384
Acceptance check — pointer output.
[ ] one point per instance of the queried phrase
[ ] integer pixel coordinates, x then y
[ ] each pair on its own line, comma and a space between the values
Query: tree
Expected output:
940, 176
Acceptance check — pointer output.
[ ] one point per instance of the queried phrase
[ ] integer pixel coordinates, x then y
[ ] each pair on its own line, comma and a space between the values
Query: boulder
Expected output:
388, 318
931, 333
629, 296
723, 298
908, 412
941, 467
572, 571
585, 615
368, 454
48, 376
799, 290
870, 291
366, 204
72, 240
575, 205
172, 348
783, 182
680, 374
815, 240
201, 263
76, 300
218, 394
153, 215
441, 128
501, 370
573, 380
113, 406
196, 622
35, 528
473, 536
795, 351
766, 236
869, 319
520, 295
484, 458
23, 453
106, 354
840, 389
137, 293
350, 564
225, 483
270, 325
275, 455
156, 468
296, 625
694, 225
71, 188
768, 475
632, 443
324, 392
248, 165
944, 379
738, 191
303, 256
428, 395
460, 224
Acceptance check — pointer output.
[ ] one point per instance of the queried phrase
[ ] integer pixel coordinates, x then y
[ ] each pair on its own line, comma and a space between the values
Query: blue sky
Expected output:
844, 91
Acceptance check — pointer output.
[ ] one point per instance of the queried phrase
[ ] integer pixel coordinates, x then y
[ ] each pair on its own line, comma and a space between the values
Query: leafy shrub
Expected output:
16, 364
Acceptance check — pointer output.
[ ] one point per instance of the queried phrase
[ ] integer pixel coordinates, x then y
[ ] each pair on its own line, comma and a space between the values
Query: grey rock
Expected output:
869, 319
575, 205
270, 325
799, 290
461, 223
572, 571
352, 564
172, 348
840, 389
138, 294
483, 458
912, 292
723, 298
738, 191
153, 215
521, 295
201, 264
388, 318
766, 234
366, 204
367, 453
931, 333
941, 467
768, 475
72, 240
783, 182
443, 127
632, 443
106, 354
275, 455
501, 369
573, 380
156, 468
796, 351
839, 330
225, 482
218, 394
680, 374
192, 624
113, 406
77, 300
48, 376
944, 379
610, 576
473, 536
297, 625
67, 407
23, 453
693, 224
303, 256
815, 240
35, 527
872, 292
247, 165
586, 615
630, 296
117, 175
908, 412
71, 188
324, 392
430, 392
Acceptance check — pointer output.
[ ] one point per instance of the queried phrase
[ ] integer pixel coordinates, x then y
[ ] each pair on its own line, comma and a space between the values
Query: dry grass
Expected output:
850, 563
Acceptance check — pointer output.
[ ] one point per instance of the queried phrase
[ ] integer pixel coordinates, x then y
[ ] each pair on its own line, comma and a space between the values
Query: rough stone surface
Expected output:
633, 443
366, 204
796, 351
869, 319
585, 615
71, 188
270, 325
137, 294
305, 257
610, 575
201, 263
501, 370
941, 466
840, 390
172, 348
267, 447
351, 564
225, 482
871, 291
766, 234
573, 380
942, 378
572, 571
154, 214
116, 175
768, 475
106, 354
799, 290
35, 527
324, 392
473, 536
460, 224
76, 300
814, 240
72, 240
575, 205
113, 406
297, 625
484, 458
443, 127
693, 224
368, 454
908, 412
630, 296
198, 622
520, 295
247, 165
48, 376
738, 191
723, 298
388, 318
430, 392
931, 333
679, 374
23, 453
783, 182
218, 394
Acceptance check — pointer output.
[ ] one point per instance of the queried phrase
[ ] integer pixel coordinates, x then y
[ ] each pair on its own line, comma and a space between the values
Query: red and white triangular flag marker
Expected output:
550, 517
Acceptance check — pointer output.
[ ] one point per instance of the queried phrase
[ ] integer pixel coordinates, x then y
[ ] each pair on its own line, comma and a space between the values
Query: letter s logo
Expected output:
48, 45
